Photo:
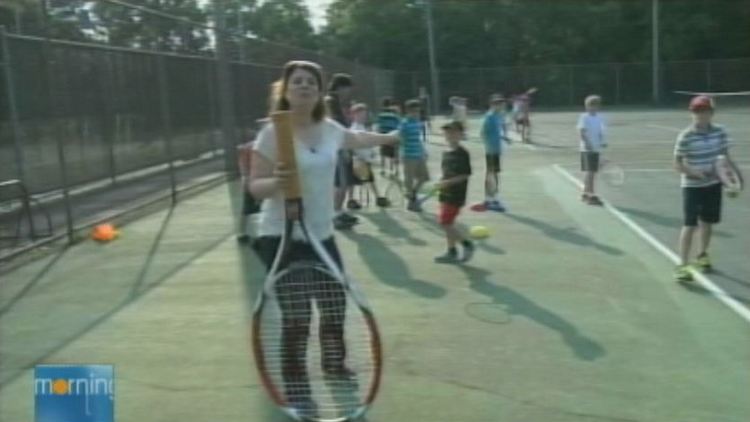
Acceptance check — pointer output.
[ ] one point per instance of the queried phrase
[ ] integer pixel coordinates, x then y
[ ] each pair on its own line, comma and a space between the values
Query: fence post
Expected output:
212, 108
708, 76
12, 107
166, 123
617, 83
571, 88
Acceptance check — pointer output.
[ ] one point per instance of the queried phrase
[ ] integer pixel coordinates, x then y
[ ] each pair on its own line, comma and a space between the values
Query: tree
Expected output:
135, 28
284, 21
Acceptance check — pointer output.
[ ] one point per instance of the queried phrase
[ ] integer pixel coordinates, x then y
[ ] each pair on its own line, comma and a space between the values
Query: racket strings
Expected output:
317, 344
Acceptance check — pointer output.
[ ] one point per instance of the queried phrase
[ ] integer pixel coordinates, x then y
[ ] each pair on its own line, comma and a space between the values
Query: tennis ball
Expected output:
479, 232
104, 233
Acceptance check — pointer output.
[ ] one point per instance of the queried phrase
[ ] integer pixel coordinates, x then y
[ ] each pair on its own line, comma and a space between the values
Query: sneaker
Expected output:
353, 205
495, 206
304, 408
447, 258
703, 262
594, 200
341, 223
468, 252
414, 206
682, 274
348, 218
585, 197
382, 202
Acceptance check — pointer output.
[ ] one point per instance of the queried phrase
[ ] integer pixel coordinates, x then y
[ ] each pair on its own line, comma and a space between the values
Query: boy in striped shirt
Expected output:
695, 152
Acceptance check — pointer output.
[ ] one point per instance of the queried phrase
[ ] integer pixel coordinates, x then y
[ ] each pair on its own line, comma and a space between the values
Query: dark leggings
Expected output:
296, 314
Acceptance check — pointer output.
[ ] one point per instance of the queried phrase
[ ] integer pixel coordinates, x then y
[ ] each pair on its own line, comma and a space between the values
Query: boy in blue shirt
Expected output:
493, 135
413, 154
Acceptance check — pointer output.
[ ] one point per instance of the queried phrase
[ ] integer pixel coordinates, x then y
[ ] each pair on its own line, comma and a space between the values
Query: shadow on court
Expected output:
514, 303
87, 288
7, 305
665, 221
389, 268
391, 227
693, 287
430, 223
567, 235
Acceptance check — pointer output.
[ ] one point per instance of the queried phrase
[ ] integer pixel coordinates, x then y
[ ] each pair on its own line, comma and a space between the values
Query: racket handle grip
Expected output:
282, 124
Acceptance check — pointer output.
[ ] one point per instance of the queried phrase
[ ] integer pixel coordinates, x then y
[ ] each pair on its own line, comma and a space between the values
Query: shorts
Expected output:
344, 171
388, 151
267, 246
589, 161
415, 170
448, 213
493, 163
249, 204
703, 203
370, 177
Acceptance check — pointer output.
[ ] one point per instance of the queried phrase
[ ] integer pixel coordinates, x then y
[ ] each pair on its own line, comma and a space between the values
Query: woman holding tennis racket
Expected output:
305, 283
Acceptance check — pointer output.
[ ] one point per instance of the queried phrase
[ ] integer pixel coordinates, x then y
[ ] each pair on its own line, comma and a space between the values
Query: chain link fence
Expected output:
81, 118
567, 85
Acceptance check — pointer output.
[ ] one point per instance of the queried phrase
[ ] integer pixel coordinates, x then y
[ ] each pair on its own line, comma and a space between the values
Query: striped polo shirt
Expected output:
700, 149
412, 144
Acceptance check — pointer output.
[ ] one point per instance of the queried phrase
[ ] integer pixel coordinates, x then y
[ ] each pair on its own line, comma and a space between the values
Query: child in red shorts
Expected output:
456, 166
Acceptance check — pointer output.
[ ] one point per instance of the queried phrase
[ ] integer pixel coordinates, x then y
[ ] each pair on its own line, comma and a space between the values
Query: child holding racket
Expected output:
413, 154
591, 127
456, 166
696, 150
317, 142
493, 133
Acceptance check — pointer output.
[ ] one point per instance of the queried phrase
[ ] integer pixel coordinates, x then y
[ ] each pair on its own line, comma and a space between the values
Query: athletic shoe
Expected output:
682, 274
414, 206
341, 223
468, 252
495, 206
594, 200
382, 202
353, 205
447, 258
480, 207
348, 218
703, 262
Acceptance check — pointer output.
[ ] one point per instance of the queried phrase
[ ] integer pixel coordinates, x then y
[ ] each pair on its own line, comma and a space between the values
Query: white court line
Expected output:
669, 128
704, 281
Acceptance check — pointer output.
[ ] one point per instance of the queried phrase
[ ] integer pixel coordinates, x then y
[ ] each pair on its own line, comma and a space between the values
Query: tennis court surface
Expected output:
565, 314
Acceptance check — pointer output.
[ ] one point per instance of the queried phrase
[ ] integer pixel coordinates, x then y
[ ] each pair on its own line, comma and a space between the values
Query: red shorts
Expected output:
448, 213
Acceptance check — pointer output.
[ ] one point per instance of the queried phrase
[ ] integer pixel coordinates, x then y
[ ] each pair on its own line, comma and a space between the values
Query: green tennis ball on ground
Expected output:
479, 232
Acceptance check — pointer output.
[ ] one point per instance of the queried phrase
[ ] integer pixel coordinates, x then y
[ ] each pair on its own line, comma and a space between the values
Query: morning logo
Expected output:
80, 393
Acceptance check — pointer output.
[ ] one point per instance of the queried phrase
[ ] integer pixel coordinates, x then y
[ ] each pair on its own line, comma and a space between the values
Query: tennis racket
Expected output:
611, 173
729, 175
427, 193
314, 338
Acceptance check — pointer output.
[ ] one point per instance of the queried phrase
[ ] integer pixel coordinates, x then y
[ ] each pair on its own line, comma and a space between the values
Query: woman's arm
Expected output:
357, 140
266, 179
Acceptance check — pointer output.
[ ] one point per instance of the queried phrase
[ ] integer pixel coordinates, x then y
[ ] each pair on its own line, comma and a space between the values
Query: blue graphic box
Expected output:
74, 393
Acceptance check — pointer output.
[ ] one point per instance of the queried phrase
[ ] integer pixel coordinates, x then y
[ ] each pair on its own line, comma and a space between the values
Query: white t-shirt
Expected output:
595, 127
316, 167
368, 155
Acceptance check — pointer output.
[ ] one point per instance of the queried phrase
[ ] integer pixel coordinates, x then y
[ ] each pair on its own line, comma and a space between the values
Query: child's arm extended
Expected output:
452, 181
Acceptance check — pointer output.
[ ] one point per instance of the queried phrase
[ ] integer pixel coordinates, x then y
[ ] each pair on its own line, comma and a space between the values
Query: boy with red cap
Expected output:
695, 152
